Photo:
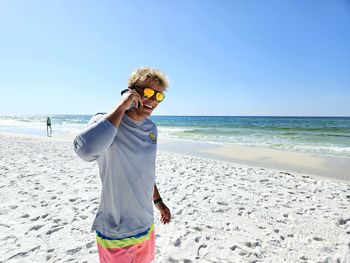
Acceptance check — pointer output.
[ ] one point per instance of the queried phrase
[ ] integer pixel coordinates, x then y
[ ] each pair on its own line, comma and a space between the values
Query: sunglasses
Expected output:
149, 93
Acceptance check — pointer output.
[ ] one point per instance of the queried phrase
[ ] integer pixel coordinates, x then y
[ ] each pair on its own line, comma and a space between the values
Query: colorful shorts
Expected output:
134, 249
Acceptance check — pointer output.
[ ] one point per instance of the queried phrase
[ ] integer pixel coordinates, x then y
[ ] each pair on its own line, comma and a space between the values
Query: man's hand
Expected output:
131, 96
165, 214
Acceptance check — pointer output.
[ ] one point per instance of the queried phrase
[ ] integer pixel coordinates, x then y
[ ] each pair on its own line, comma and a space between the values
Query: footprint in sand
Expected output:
171, 260
197, 228
179, 212
25, 216
44, 215
201, 247
177, 242
222, 203
37, 227
73, 251
20, 254
343, 221
53, 230
90, 244
35, 218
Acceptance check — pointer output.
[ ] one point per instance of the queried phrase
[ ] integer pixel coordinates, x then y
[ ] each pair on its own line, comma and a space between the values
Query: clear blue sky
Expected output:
222, 57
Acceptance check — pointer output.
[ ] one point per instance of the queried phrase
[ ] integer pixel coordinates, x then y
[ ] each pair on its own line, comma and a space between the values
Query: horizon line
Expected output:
311, 116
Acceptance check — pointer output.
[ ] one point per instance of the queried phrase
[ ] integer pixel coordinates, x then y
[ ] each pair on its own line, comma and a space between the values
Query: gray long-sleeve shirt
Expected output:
126, 160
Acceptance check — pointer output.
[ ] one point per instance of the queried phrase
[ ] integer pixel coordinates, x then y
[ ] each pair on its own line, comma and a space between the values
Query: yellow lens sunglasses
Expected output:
149, 93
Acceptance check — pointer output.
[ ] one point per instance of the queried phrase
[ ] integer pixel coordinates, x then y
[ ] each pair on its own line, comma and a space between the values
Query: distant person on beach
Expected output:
48, 126
124, 143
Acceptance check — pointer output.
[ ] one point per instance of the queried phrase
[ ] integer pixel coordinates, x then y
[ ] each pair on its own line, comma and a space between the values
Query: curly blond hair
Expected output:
148, 75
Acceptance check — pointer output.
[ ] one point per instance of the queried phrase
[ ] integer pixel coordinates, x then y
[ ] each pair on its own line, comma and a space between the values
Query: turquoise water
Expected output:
322, 135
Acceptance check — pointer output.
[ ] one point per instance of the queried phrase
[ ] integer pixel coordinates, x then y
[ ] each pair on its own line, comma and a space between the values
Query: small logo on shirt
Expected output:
152, 136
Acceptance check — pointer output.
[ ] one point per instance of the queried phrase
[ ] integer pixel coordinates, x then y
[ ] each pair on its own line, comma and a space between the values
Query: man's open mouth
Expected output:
148, 106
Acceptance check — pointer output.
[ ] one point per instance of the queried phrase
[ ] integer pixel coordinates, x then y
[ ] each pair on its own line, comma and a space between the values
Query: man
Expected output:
48, 126
124, 143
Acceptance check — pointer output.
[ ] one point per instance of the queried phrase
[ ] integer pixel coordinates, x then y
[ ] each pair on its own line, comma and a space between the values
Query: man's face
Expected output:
149, 104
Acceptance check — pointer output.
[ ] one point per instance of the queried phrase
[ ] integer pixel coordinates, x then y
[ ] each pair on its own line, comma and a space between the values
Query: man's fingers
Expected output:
165, 219
136, 98
136, 103
165, 216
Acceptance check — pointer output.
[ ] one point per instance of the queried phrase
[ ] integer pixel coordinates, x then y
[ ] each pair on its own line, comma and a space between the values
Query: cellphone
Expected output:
132, 106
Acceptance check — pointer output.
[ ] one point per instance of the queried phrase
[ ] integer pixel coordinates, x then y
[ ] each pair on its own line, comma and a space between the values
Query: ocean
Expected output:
321, 135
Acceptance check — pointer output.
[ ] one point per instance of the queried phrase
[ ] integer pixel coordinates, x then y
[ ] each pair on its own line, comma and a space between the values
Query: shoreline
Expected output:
335, 168
330, 167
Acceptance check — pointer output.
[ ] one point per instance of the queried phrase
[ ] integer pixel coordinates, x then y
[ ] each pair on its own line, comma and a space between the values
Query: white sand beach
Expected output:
223, 211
